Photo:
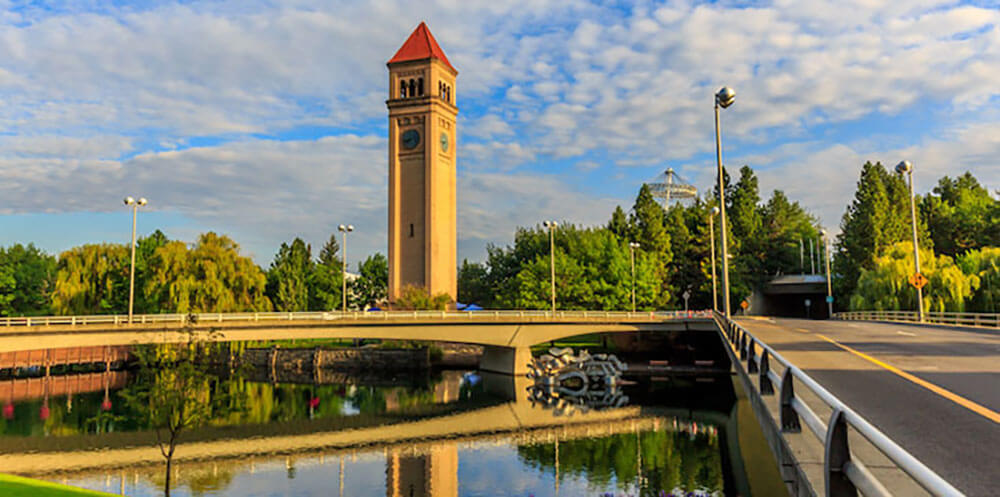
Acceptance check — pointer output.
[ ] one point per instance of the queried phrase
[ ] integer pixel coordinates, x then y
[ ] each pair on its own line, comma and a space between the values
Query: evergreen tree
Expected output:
326, 278
287, 280
647, 219
878, 217
619, 224
961, 215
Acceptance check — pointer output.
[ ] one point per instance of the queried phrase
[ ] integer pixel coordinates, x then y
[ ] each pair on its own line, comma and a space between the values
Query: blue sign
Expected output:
829, 299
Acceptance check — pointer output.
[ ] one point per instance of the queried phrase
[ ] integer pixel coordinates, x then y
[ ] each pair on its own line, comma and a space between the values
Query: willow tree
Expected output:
886, 286
985, 265
92, 279
211, 276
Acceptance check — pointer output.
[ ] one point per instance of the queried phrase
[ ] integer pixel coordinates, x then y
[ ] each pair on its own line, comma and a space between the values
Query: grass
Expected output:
16, 486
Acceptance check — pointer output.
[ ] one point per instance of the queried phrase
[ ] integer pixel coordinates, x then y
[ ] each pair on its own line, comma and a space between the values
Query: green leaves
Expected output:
886, 286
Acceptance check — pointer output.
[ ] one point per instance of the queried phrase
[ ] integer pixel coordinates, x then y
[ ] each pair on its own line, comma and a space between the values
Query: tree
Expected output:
886, 286
370, 288
961, 215
647, 218
473, 284
783, 225
744, 219
212, 276
417, 298
27, 278
175, 392
326, 278
92, 279
619, 224
984, 264
287, 280
878, 217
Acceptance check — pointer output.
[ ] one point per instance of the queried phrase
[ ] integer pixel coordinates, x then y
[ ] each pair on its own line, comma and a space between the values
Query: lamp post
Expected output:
135, 204
631, 248
829, 282
905, 167
724, 98
711, 233
551, 225
343, 266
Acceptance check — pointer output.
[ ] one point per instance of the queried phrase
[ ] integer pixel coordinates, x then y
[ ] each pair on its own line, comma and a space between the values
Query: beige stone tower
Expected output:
422, 111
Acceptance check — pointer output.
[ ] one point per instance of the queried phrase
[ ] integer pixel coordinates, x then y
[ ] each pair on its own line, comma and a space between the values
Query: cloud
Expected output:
214, 108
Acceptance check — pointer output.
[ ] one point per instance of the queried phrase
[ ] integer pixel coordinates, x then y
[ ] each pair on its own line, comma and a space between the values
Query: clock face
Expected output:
411, 138
444, 141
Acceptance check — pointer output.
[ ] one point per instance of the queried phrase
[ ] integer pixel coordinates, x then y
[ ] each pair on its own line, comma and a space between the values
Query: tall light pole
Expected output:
631, 248
343, 264
551, 225
724, 98
906, 168
711, 233
829, 282
131, 278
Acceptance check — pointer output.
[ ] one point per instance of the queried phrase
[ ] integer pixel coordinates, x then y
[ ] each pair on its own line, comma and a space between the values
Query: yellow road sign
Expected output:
744, 304
918, 280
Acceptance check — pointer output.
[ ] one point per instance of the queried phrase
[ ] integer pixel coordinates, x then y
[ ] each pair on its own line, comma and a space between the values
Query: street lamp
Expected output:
906, 167
343, 264
131, 278
631, 248
711, 233
724, 98
829, 282
551, 225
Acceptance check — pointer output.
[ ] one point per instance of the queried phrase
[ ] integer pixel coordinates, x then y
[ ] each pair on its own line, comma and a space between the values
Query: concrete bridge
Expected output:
507, 336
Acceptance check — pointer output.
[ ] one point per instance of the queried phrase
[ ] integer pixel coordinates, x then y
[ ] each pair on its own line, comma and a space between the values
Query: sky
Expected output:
266, 120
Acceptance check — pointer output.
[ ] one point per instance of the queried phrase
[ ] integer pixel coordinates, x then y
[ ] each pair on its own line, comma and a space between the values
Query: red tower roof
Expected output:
421, 45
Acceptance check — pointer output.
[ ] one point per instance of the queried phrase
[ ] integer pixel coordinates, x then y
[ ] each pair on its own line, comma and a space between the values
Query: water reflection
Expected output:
438, 434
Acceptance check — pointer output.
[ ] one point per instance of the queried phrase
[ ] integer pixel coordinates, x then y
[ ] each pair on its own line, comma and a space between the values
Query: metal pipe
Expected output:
722, 215
916, 246
829, 281
131, 276
711, 233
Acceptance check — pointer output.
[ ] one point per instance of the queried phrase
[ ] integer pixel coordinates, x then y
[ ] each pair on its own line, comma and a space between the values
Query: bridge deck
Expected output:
941, 403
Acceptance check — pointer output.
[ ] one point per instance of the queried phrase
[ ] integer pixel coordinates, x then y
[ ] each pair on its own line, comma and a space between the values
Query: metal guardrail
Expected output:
980, 319
844, 476
357, 316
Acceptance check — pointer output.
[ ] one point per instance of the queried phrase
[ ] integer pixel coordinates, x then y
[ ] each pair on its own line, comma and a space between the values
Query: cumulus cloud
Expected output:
214, 106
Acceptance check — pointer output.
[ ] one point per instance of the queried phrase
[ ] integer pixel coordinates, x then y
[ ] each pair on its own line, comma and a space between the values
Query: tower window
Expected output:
420, 86
411, 230
402, 89
413, 88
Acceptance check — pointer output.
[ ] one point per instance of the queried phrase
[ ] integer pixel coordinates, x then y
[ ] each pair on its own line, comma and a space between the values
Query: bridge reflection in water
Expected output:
459, 434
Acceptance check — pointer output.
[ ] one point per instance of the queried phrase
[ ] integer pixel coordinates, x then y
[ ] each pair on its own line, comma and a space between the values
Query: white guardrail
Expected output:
844, 476
980, 319
358, 316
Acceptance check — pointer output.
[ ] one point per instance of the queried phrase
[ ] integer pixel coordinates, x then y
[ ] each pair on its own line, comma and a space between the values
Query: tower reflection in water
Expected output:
433, 473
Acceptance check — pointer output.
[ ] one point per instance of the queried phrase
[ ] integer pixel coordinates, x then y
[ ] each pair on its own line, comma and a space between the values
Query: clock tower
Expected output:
422, 111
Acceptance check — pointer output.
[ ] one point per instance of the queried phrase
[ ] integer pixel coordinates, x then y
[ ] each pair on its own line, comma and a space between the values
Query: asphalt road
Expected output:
952, 425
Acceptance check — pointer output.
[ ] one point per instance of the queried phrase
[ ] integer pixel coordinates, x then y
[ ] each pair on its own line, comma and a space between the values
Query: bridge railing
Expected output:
980, 319
353, 316
844, 476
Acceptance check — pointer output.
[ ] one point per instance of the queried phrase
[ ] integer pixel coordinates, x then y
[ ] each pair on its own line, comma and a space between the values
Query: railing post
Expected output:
838, 455
766, 388
789, 418
751, 360
743, 346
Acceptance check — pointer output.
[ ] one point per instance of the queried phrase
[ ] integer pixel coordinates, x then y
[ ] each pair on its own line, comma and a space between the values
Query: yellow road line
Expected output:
803, 330
958, 399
